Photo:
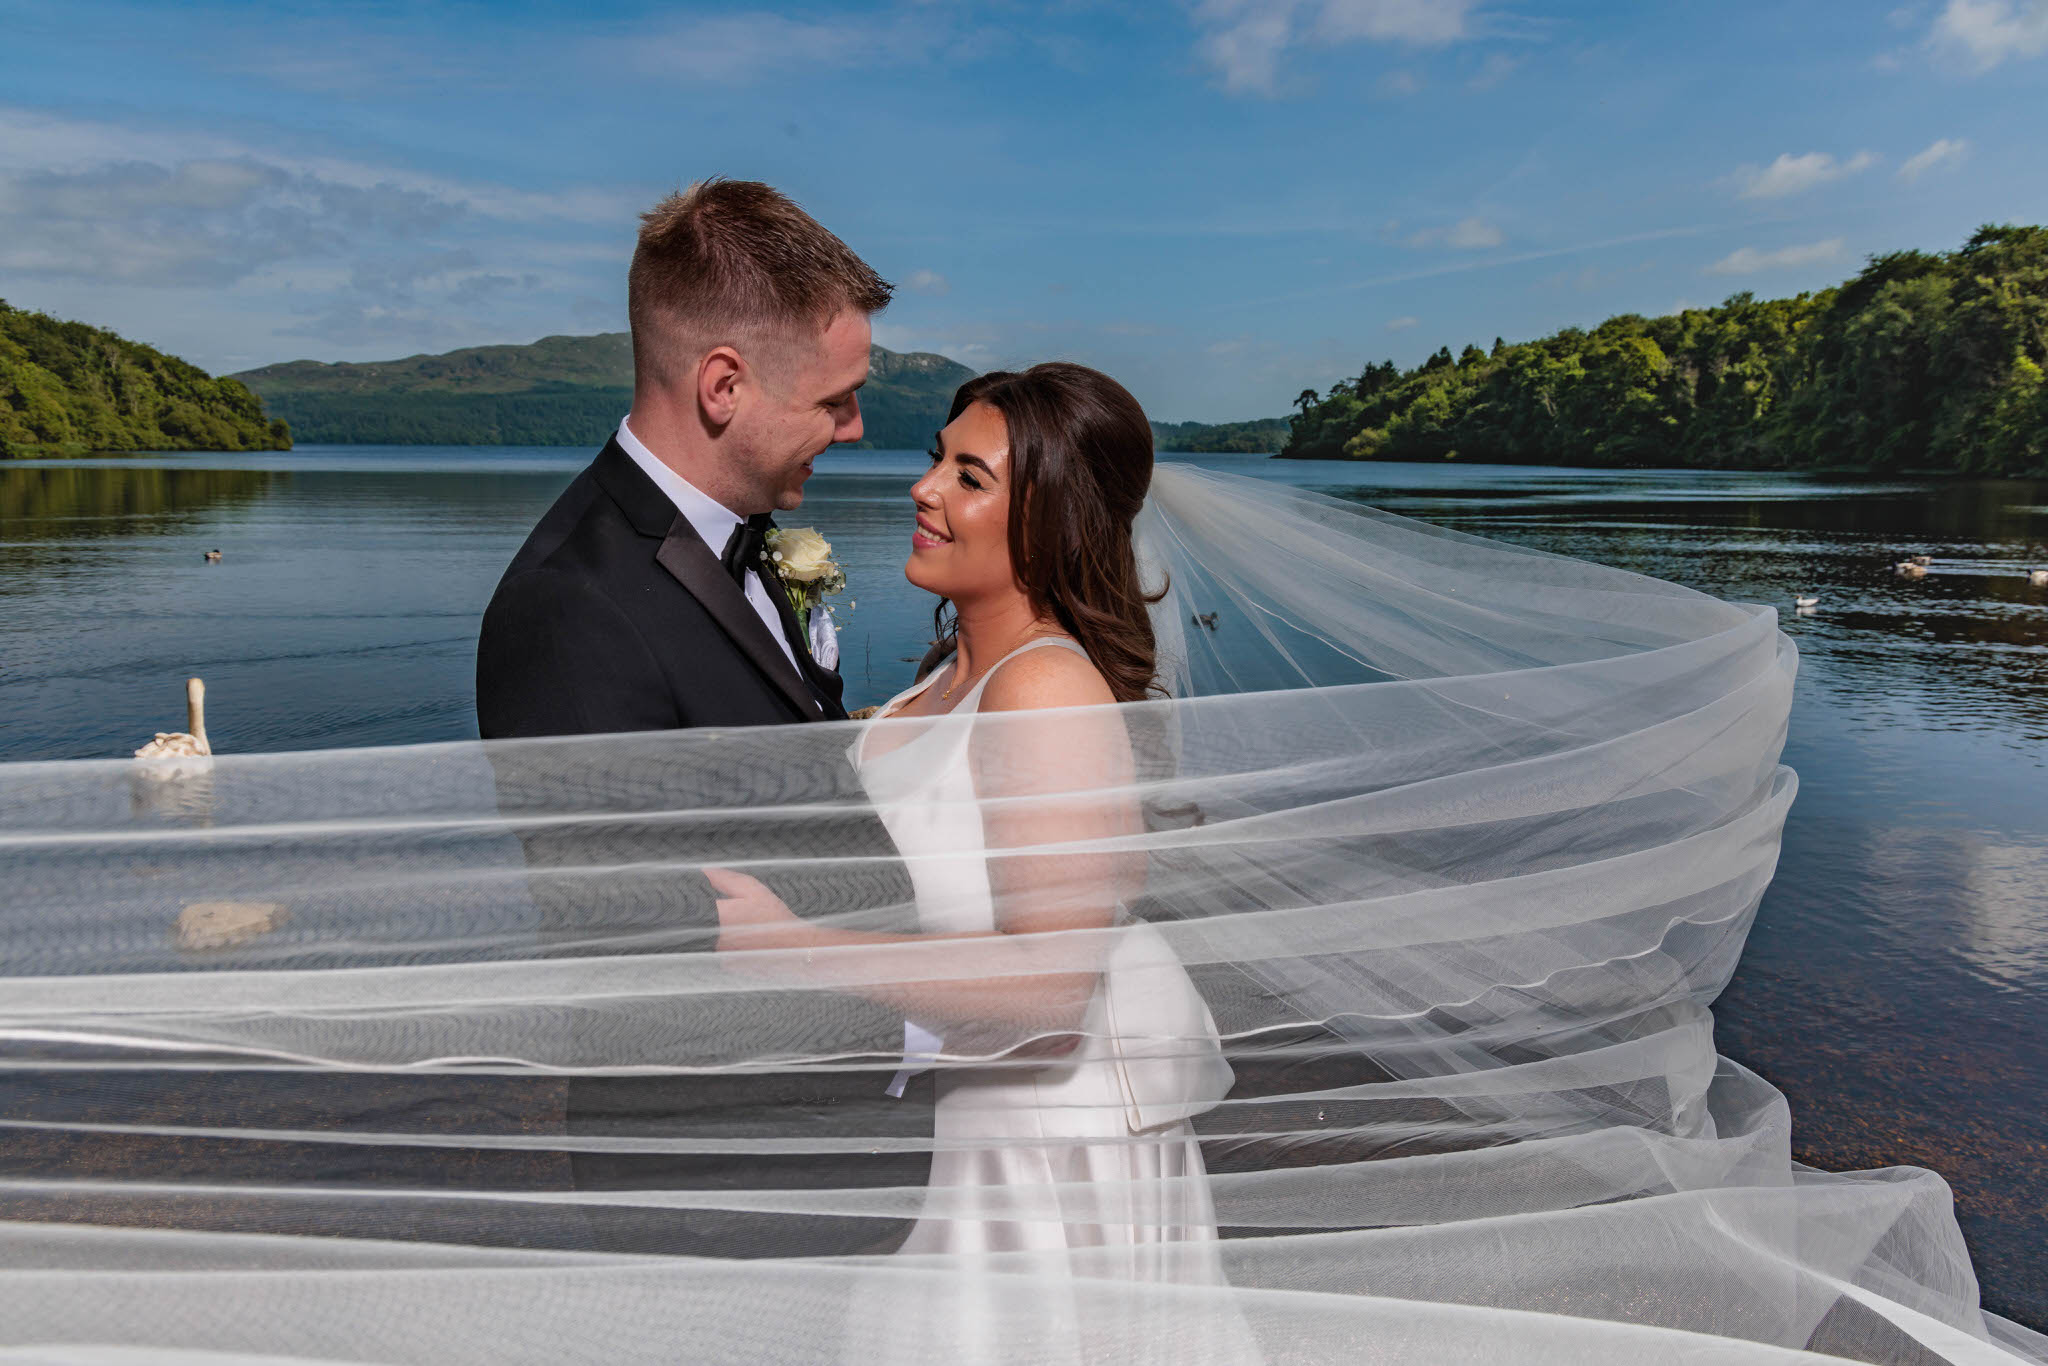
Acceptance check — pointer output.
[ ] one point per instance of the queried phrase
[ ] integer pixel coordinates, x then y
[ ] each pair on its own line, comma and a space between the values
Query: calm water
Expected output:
1894, 984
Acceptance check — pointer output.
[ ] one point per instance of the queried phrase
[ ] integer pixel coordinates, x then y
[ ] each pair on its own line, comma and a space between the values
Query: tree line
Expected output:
68, 388
1256, 436
1924, 361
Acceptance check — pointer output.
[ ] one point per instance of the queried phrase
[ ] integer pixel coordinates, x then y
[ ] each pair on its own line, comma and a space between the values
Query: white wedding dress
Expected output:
1085, 1164
1459, 840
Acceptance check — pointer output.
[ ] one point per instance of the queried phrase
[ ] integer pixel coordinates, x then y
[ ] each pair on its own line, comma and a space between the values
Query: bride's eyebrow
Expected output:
939, 450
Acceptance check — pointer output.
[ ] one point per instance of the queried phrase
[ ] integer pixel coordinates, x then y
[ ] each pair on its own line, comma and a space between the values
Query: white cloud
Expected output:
1791, 175
1750, 260
1940, 152
927, 282
31, 140
1244, 40
358, 325
1403, 323
1497, 67
1983, 33
1470, 234
1407, 21
739, 49
120, 223
198, 222
1246, 51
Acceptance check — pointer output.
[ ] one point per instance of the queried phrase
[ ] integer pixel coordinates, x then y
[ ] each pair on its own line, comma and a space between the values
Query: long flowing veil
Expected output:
1457, 842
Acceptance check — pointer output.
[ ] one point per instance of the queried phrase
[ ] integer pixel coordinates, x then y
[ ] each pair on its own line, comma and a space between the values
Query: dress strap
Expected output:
974, 693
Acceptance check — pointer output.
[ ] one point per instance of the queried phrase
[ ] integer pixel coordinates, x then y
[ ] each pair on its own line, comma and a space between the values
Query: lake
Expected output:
1893, 984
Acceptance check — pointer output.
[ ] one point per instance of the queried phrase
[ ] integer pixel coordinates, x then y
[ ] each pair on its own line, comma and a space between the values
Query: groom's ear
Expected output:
719, 377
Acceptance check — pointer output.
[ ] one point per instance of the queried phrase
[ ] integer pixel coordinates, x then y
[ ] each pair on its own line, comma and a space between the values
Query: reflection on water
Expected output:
1893, 981
43, 502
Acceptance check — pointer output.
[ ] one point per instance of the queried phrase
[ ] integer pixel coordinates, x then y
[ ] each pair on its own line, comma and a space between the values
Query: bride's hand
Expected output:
750, 916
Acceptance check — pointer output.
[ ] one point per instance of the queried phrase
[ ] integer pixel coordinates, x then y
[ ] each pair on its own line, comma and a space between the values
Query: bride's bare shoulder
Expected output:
1050, 676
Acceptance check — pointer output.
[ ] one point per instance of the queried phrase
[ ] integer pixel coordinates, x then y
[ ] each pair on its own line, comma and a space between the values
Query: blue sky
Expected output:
1220, 202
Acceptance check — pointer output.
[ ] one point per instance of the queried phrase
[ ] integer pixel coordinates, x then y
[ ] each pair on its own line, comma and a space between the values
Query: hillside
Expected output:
572, 391
558, 391
1256, 437
66, 388
1924, 362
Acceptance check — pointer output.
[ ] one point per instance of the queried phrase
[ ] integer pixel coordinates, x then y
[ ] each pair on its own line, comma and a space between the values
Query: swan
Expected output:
183, 744
1805, 602
1907, 569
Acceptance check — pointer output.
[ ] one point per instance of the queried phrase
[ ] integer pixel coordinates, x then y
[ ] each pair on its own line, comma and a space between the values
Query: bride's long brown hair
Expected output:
1080, 462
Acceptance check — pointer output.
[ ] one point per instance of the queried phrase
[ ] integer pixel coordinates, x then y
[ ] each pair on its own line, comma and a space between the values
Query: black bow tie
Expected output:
743, 548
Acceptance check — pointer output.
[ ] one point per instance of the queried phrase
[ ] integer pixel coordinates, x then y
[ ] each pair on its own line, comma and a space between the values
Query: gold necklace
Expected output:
946, 693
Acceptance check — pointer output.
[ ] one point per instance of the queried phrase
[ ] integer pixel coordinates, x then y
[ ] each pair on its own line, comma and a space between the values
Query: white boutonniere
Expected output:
803, 563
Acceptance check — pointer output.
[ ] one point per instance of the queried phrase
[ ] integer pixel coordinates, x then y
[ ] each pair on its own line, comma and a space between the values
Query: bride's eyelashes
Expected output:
967, 480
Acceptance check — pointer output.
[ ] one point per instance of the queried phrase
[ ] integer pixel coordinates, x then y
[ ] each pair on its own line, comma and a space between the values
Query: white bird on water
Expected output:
183, 744
1805, 602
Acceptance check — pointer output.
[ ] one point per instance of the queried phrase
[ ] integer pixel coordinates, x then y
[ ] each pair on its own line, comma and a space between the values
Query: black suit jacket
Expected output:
616, 617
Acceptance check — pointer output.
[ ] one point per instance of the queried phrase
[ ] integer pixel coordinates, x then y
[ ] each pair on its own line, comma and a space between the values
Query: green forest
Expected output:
1924, 362
1256, 436
572, 391
558, 391
66, 388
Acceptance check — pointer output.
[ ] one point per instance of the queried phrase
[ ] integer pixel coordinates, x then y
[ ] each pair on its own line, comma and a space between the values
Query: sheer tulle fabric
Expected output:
1441, 849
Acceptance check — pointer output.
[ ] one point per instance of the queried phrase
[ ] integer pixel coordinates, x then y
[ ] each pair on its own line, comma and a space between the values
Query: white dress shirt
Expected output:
713, 523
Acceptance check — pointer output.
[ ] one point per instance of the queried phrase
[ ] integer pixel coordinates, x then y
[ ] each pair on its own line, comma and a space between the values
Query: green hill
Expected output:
558, 391
1256, 437
572, 391
66, 388
1924, 362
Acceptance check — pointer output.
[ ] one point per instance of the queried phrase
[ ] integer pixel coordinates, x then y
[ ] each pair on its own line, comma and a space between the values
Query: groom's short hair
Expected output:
736, 262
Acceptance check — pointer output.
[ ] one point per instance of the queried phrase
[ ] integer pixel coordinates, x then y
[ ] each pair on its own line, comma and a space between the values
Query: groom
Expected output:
641, 602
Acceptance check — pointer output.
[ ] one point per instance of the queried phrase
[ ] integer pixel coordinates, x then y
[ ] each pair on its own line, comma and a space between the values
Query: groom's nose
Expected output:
850, 428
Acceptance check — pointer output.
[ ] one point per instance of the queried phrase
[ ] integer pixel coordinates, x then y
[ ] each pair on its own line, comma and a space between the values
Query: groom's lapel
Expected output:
695, 566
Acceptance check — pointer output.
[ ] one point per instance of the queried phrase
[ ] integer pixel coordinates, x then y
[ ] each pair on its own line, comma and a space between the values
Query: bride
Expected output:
1069, 1127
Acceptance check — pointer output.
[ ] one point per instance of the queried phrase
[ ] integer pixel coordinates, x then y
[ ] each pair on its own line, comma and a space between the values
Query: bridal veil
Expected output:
1457, 842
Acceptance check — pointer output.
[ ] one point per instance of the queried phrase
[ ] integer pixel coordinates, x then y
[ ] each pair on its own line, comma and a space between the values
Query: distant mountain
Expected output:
572, 391
558, 391
66, 388
1260, 436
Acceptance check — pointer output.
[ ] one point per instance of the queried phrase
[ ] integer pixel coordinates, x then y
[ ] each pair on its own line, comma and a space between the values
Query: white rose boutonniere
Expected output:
802, 560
